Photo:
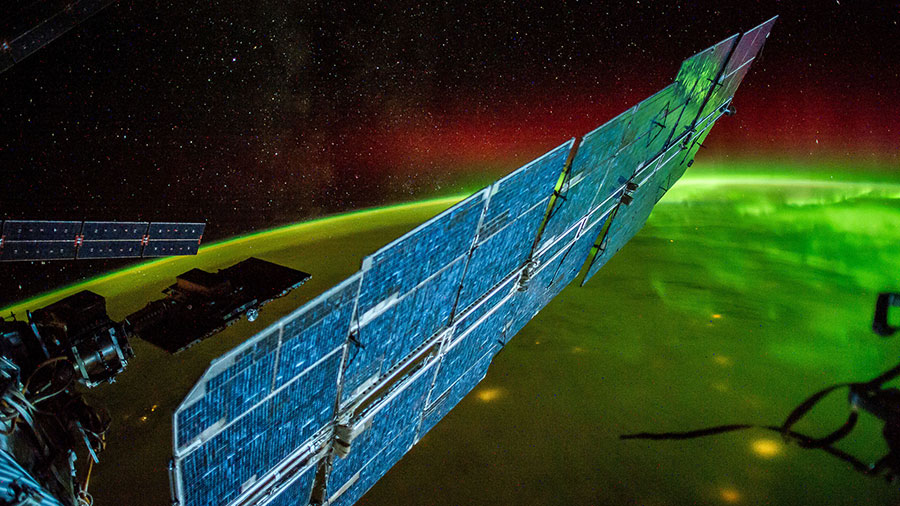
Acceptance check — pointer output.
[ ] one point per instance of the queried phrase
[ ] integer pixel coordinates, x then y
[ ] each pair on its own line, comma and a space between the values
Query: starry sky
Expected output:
247, 115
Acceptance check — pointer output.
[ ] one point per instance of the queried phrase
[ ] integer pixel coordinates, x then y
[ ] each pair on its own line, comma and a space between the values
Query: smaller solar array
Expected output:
67, 240
55, 18
348, 383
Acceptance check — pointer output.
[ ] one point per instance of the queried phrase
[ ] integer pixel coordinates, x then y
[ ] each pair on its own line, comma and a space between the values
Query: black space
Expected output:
251, 114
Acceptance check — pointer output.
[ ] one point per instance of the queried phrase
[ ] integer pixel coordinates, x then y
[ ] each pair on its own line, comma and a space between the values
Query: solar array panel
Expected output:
65, 240
23, 41
317, 407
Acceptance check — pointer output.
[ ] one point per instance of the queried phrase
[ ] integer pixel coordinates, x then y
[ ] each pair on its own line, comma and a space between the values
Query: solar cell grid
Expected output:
175, 231
696, 77
652, 121
296, 492
165, 248
403, 264
469, 346
22, 230
110, 249
588, 172
233, 429
440, 406
47, 250
501, 254
386, 339
385, 435
629, 218
216, 470
113, 230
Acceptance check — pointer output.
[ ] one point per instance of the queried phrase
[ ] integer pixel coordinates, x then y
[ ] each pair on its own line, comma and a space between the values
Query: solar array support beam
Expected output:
349, 382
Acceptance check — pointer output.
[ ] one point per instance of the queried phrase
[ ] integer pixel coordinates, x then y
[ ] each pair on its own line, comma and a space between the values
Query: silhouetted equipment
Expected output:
202, 303
41, 22
317, 407
871, 396
881, 322
44, 418
67, 240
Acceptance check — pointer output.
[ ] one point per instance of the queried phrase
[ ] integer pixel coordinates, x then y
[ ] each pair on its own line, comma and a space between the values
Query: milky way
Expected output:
252, 114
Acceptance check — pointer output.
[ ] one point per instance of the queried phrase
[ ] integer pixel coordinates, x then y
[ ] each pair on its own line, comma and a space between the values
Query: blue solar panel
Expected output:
629, 218
386, 433
386, 338
401, 265
465, 320
527, 303
696, 78
238, 454
590, 169
296, 492
247, 403
318, 327
467, 347
652, 121
438, 407
396, 346
516, 208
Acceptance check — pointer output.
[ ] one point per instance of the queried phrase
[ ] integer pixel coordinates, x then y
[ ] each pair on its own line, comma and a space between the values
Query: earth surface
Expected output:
749, 289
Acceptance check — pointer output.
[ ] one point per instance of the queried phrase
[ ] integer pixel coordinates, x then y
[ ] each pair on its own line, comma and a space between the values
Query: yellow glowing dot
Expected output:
144, 418
720, 386
488, 394
722, 360
578, 349
154, 408
537, 342
730, 495
717, 316
766, 448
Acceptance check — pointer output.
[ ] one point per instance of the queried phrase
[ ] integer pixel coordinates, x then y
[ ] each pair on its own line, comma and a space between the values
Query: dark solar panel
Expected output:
112, 249
16, 230
60, 240
114, 230
166, 247
183, 231
46, 250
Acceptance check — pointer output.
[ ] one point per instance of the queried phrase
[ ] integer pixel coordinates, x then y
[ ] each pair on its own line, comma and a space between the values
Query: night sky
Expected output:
248, 115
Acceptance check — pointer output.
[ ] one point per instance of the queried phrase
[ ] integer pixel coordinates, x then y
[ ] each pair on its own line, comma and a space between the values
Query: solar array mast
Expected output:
317, 407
